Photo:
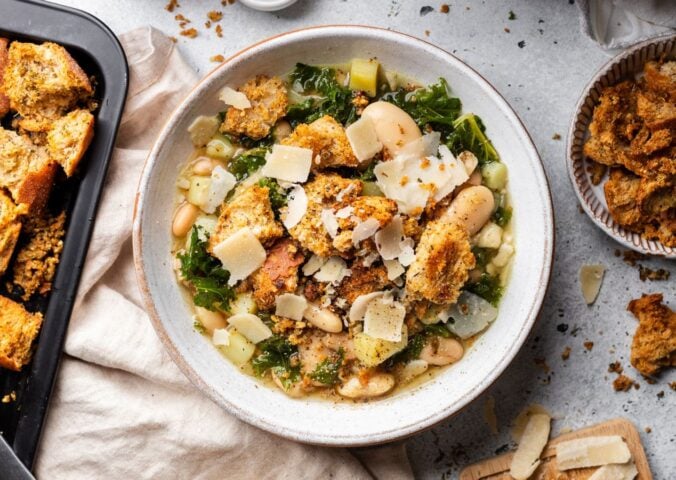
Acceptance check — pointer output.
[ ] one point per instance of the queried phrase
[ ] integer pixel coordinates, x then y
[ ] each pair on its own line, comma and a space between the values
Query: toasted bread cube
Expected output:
10, 227
18, 329
4, 54
268, 100
43, 82
69, 138
25, 170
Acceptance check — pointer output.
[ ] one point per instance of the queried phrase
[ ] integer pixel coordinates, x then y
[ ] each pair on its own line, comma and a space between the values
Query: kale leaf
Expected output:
328, 371
329, 97
276, 193
469, 134
369, 175
432, 106
488, 287
206, 274
502, 215
246, 163
276, 356
417, 342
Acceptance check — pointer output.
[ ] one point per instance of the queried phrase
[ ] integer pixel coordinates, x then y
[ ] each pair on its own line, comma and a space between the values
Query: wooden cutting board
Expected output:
497, 468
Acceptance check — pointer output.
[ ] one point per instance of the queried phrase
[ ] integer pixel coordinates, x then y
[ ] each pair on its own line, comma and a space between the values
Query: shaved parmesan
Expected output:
296, 207
291, 306
202, 129
388, 240
345, 212
221, 336
250, 326
370, 259
470, 315
615, 472
334, 270
394, 269
454, 173
407, 253
364, 230
520, 422
363, 139
358, 309
288, 163
329, 221
241, 254
424, 146
383, 319
591, 277
312, 265
222, 182
234, 98
527, 456
591, 452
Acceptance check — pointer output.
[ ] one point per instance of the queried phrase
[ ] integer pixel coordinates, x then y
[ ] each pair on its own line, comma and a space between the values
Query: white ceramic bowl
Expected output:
407, 412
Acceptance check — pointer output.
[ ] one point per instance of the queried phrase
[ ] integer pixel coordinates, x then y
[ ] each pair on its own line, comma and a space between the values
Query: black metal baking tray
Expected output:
99, 53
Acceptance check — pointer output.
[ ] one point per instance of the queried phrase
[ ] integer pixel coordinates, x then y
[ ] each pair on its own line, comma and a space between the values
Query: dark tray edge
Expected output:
40, 20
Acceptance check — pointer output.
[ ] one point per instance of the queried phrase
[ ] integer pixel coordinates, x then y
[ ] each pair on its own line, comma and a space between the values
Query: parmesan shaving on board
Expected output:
592, 452
527, 456
591, 277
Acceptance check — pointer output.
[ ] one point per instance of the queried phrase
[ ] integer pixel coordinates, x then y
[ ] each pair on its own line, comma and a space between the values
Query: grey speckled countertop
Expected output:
542, 80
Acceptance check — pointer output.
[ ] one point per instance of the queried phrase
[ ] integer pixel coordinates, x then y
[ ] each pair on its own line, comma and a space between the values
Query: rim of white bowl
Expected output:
268, 5
413, 427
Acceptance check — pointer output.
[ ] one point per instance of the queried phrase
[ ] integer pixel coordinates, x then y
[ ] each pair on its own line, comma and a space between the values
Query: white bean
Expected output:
378, 384
394, 127
184, 218
323, 319
210, 320
469, 160
472, 208
442, 351
475, 178
281, 130
413, 369
203, 166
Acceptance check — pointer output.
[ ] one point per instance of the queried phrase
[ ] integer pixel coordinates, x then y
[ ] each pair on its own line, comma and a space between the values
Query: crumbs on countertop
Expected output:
588, 345
219, 31
556, 136
623, 383
215, 16
189, 32
565, 355
444, 8
672, 385
217, 58
511, 16
615, 367
646, 273
171, 5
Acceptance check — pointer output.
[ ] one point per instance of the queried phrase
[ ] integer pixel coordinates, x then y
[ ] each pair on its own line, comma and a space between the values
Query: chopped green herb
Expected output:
437, 329
206, 274
468, 134
248, 162
329, 97
277, 357
488, 287
277, 194
512, 15
417, 342
432, 106
221, 116
198, 327
368, 175
483, 255
328, 371
502, 215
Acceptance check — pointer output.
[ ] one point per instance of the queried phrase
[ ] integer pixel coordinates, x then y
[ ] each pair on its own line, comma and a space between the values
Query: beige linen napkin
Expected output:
121, 408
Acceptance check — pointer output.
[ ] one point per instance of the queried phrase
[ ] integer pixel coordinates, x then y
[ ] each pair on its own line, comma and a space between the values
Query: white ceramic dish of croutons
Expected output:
407, 410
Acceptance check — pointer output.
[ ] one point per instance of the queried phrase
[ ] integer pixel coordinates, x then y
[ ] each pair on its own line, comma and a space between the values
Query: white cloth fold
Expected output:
121, 408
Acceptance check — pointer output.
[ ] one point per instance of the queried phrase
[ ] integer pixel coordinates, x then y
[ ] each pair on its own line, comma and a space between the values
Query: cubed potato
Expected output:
364, 75
374, 351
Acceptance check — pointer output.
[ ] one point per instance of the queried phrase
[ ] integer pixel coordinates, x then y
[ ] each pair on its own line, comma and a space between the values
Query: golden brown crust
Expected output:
654, 345
4, 55
363, 208
278, 275
269, 101
18, 329
69, 137
43, 82
362, 281
661, 78
443, 260
250, 207
328, 142
10, 228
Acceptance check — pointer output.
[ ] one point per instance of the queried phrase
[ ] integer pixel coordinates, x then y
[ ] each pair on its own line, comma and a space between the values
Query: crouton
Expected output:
278, 275
328, 142
443, 260
657, 111
654, 345
250, 207
269, 101
10, 227
18, 329
69, 137
321, 193
363, 280
43, 82
363, 208
661, 78
4, 100
25, 170
621, 192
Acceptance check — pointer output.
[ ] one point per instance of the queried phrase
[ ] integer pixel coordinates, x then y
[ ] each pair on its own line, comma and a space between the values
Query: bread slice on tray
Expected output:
43, 82
69, 137
4, 54
26, 170
18, 329
10, 227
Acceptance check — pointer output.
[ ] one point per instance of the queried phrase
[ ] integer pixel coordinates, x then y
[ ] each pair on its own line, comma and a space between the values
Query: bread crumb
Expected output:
217, 58
171, 5
507, 30
215, 16
207, 24
646, 273
588, 345
654, 344
648, 429
672, 385
444, 8
219, 31
190, 33
542, 363
615, 367
622, 383
427, 33
565, 355
556, 136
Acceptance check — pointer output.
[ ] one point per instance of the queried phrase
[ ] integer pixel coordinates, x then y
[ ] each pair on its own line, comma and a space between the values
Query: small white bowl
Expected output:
411, 410
268, 5
592, 197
